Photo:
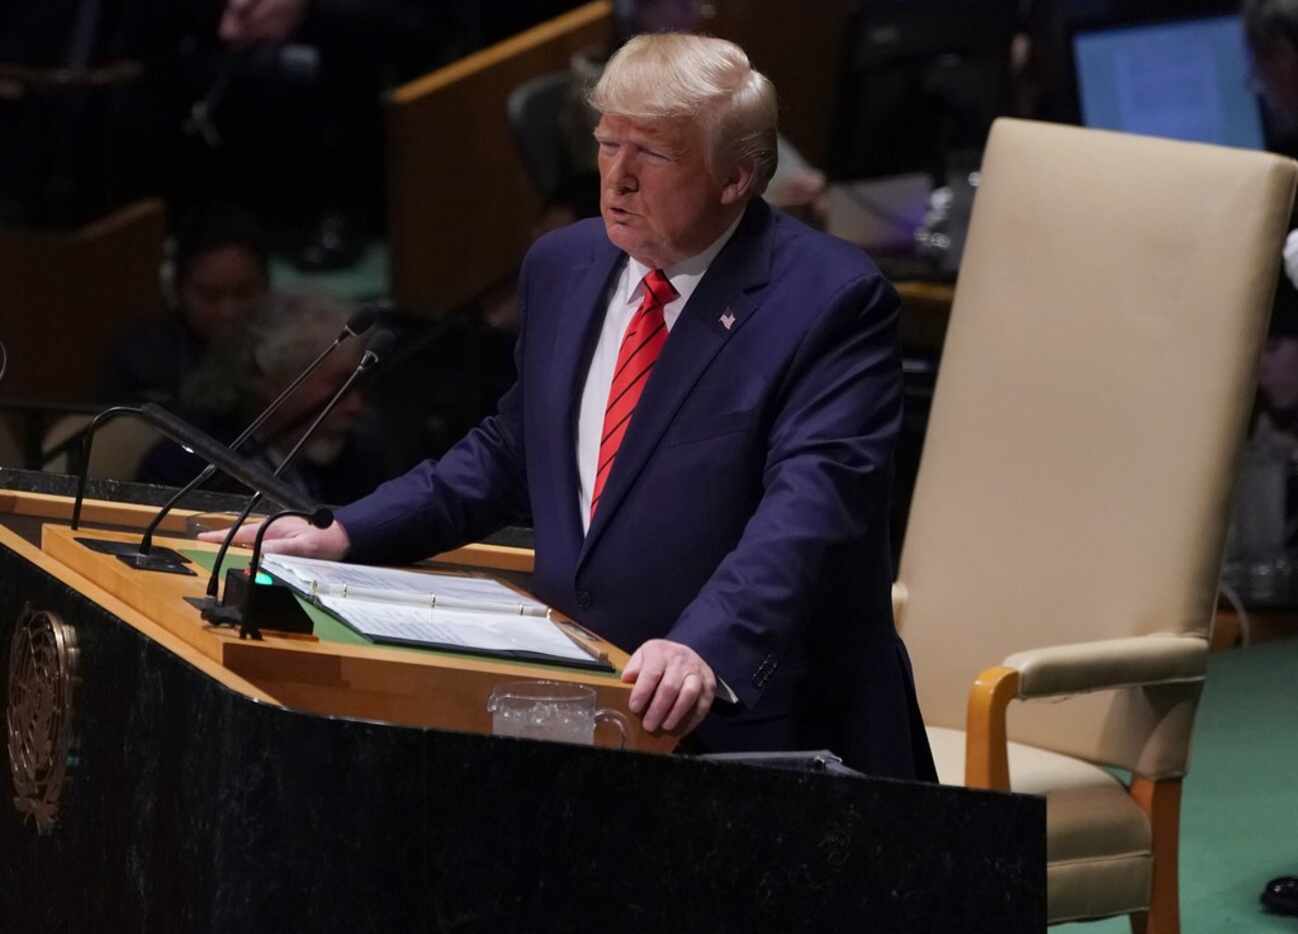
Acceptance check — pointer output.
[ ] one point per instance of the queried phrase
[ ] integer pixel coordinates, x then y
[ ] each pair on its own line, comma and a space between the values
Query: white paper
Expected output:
405, 610
331, 576
464, 629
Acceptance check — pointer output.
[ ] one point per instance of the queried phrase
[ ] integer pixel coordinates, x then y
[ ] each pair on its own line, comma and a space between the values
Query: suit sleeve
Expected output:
479, 486
825, 484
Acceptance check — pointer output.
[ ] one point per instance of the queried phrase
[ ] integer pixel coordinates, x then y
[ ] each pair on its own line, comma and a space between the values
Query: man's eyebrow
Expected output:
654, 144
666, 147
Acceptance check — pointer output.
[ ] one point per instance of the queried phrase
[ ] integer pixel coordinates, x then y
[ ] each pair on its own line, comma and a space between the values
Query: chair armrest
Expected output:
986, 746
1108, 664
1066, 669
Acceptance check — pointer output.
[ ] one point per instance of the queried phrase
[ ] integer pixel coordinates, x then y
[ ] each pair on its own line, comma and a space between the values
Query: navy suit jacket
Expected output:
745, 515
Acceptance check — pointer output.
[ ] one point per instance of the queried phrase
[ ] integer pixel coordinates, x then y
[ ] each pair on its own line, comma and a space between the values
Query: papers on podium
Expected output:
443, 611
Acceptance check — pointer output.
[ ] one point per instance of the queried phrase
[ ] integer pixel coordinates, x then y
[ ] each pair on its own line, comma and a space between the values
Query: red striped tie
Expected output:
641, 345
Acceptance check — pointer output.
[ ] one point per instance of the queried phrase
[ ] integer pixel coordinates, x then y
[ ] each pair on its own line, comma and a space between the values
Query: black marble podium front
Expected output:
189, 807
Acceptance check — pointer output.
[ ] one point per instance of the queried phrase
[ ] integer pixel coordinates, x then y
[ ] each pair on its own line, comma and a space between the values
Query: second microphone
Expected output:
342, 460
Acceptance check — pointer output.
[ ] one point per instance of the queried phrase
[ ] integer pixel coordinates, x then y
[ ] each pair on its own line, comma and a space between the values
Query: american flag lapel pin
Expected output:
728, 320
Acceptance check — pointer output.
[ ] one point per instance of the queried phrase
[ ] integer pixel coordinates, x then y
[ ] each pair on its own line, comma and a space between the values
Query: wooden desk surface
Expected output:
405, 686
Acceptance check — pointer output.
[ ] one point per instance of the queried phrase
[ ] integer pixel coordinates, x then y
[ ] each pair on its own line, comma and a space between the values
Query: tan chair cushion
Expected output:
1099, 888
1098, 842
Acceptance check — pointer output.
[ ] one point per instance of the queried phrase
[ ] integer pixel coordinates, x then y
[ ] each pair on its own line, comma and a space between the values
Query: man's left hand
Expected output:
674, 687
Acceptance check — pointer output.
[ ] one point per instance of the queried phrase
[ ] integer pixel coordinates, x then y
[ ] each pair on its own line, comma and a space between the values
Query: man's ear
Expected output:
738, 183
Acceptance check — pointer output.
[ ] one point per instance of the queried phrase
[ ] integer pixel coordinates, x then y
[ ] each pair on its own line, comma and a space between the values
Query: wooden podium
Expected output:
409, 687
162, 775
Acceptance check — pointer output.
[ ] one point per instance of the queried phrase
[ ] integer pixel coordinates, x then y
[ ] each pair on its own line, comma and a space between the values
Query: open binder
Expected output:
449, 612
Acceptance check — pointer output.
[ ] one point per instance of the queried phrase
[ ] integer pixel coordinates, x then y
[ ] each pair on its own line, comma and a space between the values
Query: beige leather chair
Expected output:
1071, 503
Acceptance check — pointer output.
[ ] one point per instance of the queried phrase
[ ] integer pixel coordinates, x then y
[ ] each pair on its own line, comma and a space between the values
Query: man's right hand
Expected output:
291, 536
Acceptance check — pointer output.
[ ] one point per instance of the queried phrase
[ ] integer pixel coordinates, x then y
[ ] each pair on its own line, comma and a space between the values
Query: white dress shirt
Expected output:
623, 301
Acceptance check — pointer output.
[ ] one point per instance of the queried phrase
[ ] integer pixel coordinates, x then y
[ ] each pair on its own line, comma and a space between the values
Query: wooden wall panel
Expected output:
460, 204
800, 47
67, 295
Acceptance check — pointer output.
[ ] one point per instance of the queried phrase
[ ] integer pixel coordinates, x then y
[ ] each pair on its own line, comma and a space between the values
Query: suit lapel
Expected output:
580, 317
717, 310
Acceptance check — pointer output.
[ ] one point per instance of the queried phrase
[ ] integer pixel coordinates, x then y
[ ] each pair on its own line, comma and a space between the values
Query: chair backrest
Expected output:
119, 448
534, 108
1092, 397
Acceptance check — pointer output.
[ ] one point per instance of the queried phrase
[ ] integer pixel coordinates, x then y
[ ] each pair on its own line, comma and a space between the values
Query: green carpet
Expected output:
1239, 817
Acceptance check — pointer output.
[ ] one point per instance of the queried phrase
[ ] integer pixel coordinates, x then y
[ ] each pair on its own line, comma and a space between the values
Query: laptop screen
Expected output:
1187, 79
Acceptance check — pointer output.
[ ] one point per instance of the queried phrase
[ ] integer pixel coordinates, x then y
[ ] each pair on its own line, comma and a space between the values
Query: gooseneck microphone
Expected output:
242, 605
379, 348
206, 447
357, 324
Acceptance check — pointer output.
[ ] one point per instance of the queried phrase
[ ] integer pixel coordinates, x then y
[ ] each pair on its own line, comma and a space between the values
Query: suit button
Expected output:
584, 599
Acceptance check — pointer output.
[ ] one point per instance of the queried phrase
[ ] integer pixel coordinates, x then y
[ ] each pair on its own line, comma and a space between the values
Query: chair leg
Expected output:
1161, 801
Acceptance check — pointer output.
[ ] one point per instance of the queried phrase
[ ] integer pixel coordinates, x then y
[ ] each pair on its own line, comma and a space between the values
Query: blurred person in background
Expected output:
1271, 28
323, 180
274, 104
221, 271
242, 373
81, 105
449, 385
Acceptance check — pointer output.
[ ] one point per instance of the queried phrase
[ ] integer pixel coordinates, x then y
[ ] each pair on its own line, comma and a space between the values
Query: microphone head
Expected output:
364, 318
379, 347
322, 518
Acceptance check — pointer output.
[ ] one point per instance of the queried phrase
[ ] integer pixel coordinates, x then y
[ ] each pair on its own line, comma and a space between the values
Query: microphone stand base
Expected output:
254, 606
164, 560
218, 615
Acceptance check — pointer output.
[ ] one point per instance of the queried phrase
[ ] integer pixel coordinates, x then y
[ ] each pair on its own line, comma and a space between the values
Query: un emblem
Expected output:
43, 658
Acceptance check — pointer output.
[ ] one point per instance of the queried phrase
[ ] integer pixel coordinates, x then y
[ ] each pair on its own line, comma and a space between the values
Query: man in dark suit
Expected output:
707, 401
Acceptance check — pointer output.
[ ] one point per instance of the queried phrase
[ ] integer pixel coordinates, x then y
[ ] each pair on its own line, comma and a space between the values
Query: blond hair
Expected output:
676, 75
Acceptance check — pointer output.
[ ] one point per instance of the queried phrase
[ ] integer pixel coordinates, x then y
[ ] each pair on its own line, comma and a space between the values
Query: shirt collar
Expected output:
685, 275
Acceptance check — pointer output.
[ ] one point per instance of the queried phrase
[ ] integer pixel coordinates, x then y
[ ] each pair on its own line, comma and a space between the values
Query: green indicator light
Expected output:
264, 579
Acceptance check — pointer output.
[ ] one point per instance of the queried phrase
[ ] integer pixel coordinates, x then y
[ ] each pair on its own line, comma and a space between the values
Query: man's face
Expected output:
301, 407
659, 201
220, 290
